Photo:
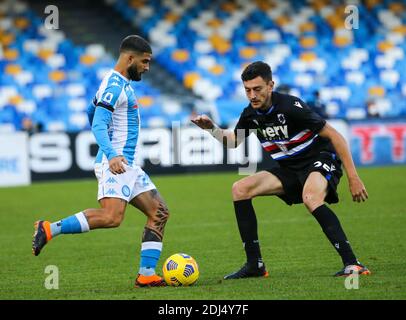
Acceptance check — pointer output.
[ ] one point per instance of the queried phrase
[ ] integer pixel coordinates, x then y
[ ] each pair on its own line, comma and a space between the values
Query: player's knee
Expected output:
240, 191
113, 218
312, 200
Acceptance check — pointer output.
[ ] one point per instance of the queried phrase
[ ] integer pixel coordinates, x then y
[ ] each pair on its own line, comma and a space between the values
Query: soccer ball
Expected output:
180, 269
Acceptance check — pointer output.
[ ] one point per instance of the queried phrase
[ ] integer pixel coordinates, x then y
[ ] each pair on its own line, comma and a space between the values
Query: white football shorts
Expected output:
126, 186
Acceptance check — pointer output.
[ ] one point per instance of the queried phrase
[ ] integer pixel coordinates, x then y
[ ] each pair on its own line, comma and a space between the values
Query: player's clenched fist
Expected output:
116, 164
203, 122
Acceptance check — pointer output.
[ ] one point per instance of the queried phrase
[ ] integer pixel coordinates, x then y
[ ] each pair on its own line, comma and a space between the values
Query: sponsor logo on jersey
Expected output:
278, 132
297, 104
115, 84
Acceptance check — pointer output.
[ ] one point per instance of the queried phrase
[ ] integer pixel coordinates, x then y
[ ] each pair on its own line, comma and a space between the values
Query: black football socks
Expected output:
332, 228
248, 227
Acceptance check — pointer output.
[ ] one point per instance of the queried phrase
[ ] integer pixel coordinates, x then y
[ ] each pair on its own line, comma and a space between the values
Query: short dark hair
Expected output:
135, 43
257, 69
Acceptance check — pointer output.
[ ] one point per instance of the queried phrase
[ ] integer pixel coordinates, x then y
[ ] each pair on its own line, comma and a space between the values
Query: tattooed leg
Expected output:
156, 210
153, 206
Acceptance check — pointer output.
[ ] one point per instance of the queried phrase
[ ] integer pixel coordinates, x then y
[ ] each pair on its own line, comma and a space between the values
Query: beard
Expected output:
133, 73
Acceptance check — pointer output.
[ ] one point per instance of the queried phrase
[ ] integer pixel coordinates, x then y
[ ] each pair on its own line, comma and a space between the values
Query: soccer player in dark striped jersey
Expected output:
309, 152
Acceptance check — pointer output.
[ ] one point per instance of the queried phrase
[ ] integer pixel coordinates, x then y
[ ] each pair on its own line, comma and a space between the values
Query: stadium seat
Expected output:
295, 42
206, 45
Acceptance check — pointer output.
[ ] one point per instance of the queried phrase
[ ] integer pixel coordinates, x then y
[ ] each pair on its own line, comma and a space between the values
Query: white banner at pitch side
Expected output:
14, 165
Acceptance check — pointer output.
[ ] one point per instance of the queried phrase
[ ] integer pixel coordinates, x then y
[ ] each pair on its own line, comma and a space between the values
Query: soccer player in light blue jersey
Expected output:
115, 121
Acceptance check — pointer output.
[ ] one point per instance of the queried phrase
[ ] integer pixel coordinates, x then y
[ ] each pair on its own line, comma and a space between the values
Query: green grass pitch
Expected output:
102, 264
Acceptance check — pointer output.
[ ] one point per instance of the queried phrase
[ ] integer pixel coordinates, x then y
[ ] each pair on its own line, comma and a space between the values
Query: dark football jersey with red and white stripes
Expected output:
288, 130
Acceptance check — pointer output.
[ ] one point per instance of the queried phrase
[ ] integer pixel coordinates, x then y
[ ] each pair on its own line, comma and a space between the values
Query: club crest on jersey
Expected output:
281, 118
297, 104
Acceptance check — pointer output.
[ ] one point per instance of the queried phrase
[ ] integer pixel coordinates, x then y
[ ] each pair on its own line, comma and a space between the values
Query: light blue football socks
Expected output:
73, 224
150, 253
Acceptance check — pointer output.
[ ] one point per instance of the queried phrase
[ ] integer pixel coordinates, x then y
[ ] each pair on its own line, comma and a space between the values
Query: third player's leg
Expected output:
260, 184
154, 207
314, 191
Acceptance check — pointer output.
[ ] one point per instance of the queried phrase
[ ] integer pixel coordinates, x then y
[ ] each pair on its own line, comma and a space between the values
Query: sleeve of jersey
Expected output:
242, 126
109, 97
304, 115
101, 120
90, 111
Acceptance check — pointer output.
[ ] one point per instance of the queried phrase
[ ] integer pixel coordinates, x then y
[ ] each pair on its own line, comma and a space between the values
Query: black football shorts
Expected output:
293, 180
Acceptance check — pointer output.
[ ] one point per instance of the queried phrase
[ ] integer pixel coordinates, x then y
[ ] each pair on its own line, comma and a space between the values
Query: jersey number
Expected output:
108, 97
325, 166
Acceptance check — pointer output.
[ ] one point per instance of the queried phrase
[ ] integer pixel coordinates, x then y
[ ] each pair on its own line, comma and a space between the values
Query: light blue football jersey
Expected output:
116, 94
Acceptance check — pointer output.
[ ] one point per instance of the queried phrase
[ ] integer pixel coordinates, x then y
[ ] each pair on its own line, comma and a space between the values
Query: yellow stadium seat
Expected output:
87, 59
318, 5
220, 44
341, 41
172, 17
400, 29
137, 4
370, 4
308, 42
228, 7
190, 78
180, 56
15, 100
11, 54
376, 91
307, 27
248, 52
214, 23
282, 21
57, 76
336, 21
397, 7
21, 23
145, 101
263, 5
13, 69
44, 54
253, 37
385, 46
217, 69
6, 39
308, 56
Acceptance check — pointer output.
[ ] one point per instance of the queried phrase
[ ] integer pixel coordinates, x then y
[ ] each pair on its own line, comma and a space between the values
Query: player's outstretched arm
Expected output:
226, 137
357, 188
